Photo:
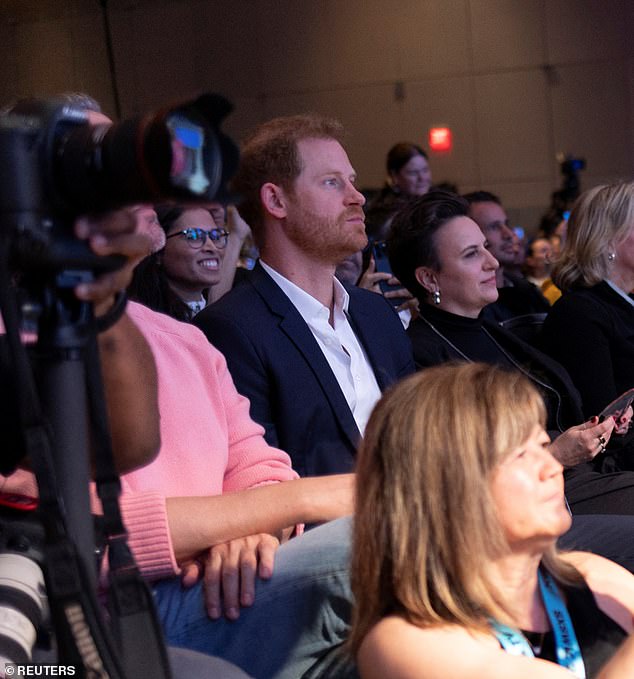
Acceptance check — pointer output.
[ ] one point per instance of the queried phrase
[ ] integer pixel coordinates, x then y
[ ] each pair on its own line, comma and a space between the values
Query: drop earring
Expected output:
611, 256
435, 295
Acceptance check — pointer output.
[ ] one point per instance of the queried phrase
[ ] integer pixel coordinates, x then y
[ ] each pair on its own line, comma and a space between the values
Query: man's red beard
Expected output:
327, 239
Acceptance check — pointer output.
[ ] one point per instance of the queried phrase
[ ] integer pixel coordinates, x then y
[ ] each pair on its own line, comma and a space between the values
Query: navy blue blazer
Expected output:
276, 362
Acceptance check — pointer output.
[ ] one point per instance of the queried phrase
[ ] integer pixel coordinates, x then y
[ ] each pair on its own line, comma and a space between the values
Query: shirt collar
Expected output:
620, 292
306, 304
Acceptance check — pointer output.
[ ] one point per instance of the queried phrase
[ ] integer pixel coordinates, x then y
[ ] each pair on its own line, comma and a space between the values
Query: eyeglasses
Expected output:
196, 237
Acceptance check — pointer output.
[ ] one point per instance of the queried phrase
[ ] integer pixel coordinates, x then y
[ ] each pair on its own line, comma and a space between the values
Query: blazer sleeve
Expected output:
252, 461
246, 365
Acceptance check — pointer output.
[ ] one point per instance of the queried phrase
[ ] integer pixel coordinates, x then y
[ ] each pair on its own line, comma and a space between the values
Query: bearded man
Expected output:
311, 355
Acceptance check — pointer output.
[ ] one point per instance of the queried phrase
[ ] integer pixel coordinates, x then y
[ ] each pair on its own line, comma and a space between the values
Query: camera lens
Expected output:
22, 606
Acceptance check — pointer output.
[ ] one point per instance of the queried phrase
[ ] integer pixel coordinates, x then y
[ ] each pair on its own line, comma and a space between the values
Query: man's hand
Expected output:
229, 573
111, 234
583, 442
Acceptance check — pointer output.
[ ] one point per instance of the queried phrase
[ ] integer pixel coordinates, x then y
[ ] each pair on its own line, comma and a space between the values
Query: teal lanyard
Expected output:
568, 651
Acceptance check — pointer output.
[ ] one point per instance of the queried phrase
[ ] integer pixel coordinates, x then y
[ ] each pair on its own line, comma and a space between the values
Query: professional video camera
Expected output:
570, 168
55, 166
562, 199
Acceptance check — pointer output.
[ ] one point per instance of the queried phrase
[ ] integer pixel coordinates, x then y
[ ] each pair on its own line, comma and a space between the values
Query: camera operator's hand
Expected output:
114, 233
230, 570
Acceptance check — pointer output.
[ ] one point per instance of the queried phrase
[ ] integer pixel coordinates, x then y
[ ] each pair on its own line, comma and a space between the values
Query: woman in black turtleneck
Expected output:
440, 255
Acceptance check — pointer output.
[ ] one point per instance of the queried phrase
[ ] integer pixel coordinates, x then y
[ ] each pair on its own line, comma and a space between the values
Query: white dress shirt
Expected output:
338, 343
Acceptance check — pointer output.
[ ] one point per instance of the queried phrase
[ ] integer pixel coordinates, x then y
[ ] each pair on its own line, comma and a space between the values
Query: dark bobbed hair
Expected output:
400, 154
411, 241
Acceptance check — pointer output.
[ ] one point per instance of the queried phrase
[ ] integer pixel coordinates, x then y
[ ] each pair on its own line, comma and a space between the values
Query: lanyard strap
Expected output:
567, 646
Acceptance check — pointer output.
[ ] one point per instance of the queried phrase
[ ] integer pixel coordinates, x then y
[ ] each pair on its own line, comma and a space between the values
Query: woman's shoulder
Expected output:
395, 647
578, 307
611, 584
581, 297
428, 348
398, 649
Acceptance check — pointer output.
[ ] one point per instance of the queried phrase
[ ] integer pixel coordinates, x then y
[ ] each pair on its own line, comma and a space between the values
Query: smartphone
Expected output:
618, 406
382, 264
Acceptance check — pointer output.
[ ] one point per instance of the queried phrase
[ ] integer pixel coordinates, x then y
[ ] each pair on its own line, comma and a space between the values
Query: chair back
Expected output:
527, 327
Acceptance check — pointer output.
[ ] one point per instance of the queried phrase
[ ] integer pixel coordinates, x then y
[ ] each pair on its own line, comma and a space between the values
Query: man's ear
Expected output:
427, 278
274, 201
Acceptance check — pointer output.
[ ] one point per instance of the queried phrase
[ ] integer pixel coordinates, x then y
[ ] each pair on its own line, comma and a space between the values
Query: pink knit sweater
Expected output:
209, 443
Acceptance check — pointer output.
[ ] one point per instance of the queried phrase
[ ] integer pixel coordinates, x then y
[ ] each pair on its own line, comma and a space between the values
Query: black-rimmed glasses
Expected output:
196, 236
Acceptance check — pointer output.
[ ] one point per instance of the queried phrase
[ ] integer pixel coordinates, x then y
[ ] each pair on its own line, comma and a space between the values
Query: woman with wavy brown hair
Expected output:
459, 505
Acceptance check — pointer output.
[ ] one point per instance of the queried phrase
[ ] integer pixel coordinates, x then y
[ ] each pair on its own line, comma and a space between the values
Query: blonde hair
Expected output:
425, 524
599, 221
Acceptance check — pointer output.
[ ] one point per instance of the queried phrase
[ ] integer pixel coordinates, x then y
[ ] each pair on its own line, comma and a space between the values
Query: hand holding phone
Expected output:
382, 265
618, 407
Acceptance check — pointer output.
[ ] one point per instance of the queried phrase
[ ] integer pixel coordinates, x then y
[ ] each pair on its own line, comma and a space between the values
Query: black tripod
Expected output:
63, 374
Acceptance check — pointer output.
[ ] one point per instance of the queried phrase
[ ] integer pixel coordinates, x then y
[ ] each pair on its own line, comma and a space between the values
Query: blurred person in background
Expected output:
408, 176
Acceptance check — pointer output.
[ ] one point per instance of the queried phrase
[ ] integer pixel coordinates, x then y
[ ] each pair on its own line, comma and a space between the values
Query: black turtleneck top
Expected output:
438, 336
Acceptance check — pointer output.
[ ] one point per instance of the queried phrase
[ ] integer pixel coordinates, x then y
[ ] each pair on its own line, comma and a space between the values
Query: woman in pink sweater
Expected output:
214, 503
212, 497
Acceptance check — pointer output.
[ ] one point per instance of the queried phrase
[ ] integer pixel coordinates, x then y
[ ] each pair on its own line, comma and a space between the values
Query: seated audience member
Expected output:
408, 176
176, 279
590, 330
455, 569
538, 264
130, 382
440, 254
207, 515
311, 355
212, 505
538, 261
516, 295
129, 374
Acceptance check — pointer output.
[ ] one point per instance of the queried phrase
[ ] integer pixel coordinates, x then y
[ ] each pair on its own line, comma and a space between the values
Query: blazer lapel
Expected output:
295, 328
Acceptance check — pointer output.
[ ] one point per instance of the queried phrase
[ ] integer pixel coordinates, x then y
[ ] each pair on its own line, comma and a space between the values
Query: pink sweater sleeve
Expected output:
145, 517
